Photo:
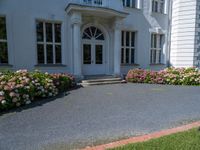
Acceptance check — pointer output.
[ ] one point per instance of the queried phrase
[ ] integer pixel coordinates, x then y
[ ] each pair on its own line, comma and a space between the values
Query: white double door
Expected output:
93, 54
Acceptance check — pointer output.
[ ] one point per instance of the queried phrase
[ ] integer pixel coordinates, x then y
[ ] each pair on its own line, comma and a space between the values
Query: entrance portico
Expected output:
96, 48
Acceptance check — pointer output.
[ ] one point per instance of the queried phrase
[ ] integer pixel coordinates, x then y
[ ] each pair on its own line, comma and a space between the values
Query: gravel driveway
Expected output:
98, 114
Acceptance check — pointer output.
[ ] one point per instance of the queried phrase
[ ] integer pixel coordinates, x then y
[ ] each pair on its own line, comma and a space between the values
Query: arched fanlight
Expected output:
93, 32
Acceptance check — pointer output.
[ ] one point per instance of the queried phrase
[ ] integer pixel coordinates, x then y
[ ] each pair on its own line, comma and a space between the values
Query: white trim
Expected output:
156, 50
53, 43
106, 44
158, 8
130, 47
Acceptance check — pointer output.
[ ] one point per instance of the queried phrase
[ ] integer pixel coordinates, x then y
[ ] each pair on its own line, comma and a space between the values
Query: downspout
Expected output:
169, 32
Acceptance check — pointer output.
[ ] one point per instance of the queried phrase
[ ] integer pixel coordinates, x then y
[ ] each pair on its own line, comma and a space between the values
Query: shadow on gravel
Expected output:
38, 102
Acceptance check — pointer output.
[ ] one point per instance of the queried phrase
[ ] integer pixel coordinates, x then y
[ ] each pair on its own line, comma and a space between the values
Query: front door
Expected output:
93, 51
93, 58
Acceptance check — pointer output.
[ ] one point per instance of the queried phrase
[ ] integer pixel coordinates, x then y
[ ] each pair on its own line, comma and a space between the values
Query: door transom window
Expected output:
93, 33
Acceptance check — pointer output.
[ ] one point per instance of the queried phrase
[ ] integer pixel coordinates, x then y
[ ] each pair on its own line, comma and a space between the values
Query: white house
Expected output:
98, 37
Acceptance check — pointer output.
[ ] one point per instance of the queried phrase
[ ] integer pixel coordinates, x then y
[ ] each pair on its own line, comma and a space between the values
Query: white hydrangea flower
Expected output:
28, 102
2, 93
3, 102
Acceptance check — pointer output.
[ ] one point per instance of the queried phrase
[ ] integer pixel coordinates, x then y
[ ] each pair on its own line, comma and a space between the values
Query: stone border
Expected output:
145, 137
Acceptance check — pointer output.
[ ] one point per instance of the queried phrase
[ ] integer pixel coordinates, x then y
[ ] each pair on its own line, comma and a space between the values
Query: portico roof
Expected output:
96, 10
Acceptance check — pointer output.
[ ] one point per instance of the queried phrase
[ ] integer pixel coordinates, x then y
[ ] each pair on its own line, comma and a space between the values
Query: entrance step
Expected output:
101, 80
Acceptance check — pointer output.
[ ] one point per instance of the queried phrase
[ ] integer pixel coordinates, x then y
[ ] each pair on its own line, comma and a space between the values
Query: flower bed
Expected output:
23, 87
172, 76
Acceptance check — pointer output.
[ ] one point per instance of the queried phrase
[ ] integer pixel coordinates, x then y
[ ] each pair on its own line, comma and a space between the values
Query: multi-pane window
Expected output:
157, 42
3, 42
158, 6
130, 3
128, 47
48, 42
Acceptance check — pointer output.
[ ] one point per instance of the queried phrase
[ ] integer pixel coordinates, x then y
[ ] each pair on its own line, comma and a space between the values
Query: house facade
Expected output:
98, 37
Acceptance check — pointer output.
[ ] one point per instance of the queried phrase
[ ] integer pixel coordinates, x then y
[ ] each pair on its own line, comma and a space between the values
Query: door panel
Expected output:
93, 59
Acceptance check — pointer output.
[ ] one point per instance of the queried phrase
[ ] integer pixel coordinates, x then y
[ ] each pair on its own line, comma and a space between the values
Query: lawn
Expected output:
189, 140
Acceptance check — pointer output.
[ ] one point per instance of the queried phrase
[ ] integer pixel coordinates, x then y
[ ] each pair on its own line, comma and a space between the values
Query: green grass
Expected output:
189, 140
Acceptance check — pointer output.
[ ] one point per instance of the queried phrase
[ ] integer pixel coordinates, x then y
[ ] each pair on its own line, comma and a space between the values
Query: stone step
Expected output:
86, 84
101, 80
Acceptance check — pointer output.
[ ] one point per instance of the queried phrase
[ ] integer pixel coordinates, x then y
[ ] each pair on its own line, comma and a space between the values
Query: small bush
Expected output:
23, 87
172, 76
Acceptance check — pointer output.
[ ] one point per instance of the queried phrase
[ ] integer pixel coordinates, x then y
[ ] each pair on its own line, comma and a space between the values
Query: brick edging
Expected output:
145, 137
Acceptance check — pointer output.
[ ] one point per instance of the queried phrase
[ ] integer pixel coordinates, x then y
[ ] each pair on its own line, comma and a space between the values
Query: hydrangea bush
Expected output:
23, 87
172, 76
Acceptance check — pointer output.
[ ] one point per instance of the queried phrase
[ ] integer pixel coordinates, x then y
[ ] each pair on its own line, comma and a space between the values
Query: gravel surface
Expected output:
98, 114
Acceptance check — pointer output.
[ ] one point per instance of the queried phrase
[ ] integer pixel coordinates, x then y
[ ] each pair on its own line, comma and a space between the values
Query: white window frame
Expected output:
45, 43
5, 40
157, 42
125, 3
158, 9
130, 47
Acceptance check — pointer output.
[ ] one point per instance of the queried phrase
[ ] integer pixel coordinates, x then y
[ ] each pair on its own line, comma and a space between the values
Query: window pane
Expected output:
49, 32
49, 54
127, 39
122, 42
99, 54
40, 34
132, 39
159, 59
3, 28
156, 6
3, 53
87, 54
152, 43
122, 55
58, 54
154, 56
132, 56
93, 30
161, 41
127, 56
155, 41
40, 53
101, 37
57, 33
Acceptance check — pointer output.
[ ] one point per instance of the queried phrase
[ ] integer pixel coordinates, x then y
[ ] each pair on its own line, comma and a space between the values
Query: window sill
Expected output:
6, 65
159, 64
124, 65
50, 65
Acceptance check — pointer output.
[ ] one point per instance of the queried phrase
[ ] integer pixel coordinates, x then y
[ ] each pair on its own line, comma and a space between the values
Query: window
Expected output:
93, 32
128, 47
48, 43
130, 3
156, 48
158, 6
3, 42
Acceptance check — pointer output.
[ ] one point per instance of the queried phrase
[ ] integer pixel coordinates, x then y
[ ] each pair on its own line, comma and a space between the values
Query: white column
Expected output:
117, 48
76, 24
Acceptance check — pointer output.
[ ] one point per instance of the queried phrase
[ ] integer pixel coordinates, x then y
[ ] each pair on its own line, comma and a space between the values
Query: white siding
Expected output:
183, 33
